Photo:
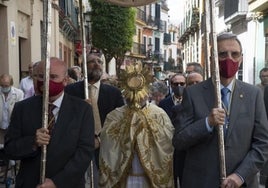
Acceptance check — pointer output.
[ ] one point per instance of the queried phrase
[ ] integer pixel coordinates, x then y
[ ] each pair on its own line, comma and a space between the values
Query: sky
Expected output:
175, 10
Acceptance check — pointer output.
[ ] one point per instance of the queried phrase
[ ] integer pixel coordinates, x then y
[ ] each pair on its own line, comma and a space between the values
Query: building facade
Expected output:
245, 18
155, 41
22, 29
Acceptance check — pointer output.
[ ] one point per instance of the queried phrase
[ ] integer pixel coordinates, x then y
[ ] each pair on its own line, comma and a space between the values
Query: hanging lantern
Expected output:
130, 3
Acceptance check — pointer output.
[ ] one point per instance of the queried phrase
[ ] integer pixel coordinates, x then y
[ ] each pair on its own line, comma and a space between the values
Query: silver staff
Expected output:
47, 34
210, 24
84, 52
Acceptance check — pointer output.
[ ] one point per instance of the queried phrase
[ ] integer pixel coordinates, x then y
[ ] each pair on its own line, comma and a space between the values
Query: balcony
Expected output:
235, 10
138, 49
167, 38
190, 25
258, 5
68, 22
160, 24
141, 15
150, 20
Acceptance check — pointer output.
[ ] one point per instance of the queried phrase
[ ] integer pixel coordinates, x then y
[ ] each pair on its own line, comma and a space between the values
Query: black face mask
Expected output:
178, 91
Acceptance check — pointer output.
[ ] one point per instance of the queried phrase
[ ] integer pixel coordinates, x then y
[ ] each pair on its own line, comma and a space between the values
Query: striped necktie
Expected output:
51, 118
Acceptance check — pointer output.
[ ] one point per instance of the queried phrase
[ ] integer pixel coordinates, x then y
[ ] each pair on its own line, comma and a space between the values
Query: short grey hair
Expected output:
228, 35
159, 86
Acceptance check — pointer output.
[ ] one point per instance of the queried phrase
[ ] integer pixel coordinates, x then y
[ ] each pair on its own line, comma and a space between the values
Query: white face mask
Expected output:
5, 89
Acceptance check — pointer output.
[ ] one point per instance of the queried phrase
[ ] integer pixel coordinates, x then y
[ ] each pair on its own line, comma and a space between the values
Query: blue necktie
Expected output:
224, 97
225, 100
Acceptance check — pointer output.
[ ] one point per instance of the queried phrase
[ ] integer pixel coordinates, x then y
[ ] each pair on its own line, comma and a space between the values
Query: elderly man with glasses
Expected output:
244, 122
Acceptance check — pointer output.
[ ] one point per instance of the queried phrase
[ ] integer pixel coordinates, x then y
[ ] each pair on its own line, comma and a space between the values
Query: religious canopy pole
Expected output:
212, 39
84, 52
84, 47
130, 3
47, 35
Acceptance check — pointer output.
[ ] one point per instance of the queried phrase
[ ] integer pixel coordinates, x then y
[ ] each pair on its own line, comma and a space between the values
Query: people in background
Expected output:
72, 77
26, 84
35, 76
263, 75
78, 73
9, 96
193, 78
194, 67
158, 91
177, 83
179, 155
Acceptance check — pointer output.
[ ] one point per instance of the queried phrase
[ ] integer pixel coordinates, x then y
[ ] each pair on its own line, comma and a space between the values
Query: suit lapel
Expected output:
209, 94
63, 122
101, 95
236, 103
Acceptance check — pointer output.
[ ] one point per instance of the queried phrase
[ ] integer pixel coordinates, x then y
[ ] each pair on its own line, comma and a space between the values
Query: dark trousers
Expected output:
92, 175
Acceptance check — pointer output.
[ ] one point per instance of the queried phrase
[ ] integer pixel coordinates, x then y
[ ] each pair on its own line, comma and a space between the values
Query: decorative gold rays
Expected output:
135, 82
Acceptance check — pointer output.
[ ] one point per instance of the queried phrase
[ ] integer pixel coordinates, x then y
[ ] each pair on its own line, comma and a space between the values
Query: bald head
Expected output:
6, 80
193, 78
57, 66
58, 77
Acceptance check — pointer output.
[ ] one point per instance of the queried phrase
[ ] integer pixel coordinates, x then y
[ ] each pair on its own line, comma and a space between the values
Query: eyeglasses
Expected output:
178, 84
234, 54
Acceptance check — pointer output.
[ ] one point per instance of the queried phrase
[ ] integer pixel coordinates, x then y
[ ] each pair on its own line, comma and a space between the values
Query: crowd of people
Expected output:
141, 134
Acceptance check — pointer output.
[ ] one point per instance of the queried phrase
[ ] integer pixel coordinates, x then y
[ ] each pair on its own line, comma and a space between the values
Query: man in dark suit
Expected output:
179, 155
70, 142
264, 171
266, 99
177, 83
106, 98
245, 126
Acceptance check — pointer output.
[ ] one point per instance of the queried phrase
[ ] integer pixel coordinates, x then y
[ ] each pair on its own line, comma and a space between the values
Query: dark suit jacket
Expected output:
266, 99
246, 142
167, 105
265, 168
109, 97
71, 146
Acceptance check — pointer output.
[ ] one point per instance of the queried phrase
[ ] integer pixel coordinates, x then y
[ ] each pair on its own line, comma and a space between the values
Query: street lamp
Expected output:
87, 19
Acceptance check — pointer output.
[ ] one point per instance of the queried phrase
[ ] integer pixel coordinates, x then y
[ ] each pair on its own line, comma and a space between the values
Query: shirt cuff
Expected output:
242, 179
209, 128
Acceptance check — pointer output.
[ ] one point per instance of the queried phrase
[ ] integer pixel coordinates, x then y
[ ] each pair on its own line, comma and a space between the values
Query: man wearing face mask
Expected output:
69, 137
177, 83
9, 96
242, 116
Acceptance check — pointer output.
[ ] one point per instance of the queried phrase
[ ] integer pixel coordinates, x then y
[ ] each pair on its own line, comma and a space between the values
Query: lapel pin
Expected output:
241, 96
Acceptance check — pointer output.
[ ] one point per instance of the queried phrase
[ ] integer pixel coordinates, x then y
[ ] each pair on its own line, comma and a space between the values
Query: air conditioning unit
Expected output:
235, 10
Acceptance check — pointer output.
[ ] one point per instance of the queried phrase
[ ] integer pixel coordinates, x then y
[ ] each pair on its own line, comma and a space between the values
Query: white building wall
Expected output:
12, 39
36, 31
